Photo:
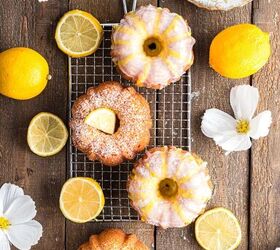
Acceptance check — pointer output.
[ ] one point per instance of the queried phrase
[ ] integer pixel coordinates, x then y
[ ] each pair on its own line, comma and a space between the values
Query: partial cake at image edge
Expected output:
152, 47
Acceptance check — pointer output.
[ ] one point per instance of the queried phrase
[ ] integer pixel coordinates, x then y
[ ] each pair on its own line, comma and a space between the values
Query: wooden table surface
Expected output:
248, 183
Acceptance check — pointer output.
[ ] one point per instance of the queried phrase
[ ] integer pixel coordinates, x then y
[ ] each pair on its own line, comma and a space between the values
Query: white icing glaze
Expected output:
177, 42
219, 4
191, 176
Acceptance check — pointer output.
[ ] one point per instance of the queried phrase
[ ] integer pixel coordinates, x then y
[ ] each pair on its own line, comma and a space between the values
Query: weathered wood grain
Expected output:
105, 11
229, 173
265, 174
29, 23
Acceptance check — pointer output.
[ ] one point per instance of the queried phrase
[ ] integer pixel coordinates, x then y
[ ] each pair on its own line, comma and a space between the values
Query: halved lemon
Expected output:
103, 119
218, 229
81, 199
46, 134
78, 33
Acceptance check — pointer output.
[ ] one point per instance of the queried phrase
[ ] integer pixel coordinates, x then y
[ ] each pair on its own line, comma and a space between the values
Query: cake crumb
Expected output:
195, 95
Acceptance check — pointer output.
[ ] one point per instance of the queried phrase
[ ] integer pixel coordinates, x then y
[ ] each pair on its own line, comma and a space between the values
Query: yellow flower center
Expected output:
242, 126
4, 223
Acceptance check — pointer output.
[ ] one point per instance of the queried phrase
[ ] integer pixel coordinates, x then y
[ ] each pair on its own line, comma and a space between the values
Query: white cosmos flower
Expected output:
233, 134
16, 219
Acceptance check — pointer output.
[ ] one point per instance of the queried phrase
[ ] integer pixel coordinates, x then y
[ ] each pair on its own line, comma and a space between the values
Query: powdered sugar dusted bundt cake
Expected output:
169, 187
113, 239
152, 47
93, 123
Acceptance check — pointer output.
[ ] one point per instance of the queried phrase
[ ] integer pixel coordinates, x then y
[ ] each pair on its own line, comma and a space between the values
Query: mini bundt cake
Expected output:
152, 47
169, 187
219, 4
93, 117
113, 239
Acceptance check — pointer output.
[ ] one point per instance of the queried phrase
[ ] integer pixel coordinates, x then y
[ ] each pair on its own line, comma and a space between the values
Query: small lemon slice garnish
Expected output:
218, 228
46, 134
103, 119
81, 199
78, 33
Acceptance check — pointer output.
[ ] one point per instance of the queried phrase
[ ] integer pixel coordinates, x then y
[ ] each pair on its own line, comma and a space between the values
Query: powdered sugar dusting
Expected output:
135, 121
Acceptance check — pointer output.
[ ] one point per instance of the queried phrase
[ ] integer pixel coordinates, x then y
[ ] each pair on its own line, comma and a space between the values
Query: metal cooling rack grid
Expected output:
170, 109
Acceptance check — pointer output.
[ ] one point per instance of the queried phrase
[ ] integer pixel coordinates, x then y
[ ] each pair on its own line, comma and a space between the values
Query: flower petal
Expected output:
244, 100
4, 242
25, 235
259, 126
216, 122
234, 142
21, 210
8, 192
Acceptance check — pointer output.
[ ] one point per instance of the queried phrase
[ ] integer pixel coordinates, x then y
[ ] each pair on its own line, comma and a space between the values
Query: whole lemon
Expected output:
239, 51
24, 73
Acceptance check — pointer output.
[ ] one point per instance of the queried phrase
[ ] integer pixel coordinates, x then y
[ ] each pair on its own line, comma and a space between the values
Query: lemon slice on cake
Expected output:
218, 229
78, 33
103, 119
81, 199
46, 134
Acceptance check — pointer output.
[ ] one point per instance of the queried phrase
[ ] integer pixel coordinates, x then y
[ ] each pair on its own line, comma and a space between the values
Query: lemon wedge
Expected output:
46, 134
218, 229
103, 119
78, 33
81, 199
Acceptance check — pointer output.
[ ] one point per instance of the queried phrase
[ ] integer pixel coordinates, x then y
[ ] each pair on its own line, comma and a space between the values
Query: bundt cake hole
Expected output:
152, 46
117, 124
168, 188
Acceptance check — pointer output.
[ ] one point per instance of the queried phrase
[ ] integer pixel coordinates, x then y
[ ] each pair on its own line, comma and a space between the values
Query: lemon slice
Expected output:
78, 33
103, 119
218, 229
81, 199
46, 134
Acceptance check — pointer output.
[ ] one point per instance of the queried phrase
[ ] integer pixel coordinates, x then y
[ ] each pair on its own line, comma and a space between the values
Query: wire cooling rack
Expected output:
171, 110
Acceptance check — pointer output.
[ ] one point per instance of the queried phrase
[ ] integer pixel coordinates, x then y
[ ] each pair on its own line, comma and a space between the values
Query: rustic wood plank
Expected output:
265, 175
29, 23
229, 173
105, 11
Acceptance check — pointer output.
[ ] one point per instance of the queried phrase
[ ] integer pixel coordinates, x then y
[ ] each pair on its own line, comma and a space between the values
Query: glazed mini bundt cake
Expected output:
113, 239
169, 187
94, 120
219, 4
152, 47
